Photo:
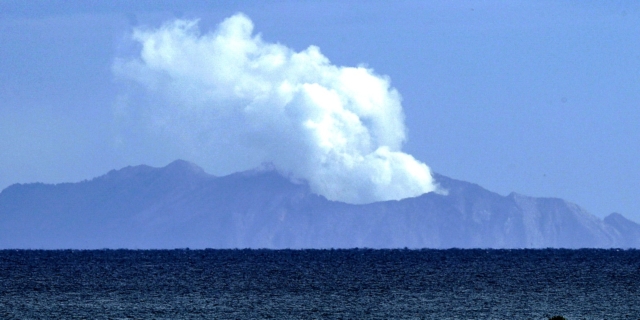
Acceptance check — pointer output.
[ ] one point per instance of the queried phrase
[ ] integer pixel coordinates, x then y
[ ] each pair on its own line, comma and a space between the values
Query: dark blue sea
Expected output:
319, 284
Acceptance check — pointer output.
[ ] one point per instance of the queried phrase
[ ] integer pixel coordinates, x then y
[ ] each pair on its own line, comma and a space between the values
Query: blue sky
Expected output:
541, 98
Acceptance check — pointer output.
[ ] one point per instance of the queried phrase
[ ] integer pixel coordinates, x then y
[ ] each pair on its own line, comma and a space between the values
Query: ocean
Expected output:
320, 284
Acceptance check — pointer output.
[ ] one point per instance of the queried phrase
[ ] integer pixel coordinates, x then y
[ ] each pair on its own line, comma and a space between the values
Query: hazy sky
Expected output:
537, 97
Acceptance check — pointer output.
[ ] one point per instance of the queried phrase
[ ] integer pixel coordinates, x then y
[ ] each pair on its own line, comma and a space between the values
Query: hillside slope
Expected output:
182, 206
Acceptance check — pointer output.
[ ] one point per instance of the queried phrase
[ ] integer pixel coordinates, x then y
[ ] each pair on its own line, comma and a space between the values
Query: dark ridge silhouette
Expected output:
180, 206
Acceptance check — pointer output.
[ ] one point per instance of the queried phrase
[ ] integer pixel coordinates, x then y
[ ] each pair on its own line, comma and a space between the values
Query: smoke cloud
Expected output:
239, 101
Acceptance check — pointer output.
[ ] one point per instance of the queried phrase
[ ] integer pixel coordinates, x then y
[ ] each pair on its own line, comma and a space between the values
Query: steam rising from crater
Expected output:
235, 101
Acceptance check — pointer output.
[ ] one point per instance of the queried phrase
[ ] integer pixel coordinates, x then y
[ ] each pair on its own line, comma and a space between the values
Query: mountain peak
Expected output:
616, 217
183, 166
629, 230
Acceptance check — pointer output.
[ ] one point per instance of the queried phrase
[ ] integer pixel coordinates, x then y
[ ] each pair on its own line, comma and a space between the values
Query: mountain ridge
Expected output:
180, 205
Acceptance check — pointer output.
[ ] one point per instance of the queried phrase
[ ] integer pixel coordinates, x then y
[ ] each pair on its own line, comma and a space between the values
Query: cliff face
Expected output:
182, 206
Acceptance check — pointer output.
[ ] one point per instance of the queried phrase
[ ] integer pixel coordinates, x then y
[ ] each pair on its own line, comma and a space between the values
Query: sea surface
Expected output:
319, 284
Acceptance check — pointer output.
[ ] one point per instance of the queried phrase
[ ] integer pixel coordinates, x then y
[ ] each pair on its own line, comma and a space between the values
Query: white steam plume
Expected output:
242, 101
